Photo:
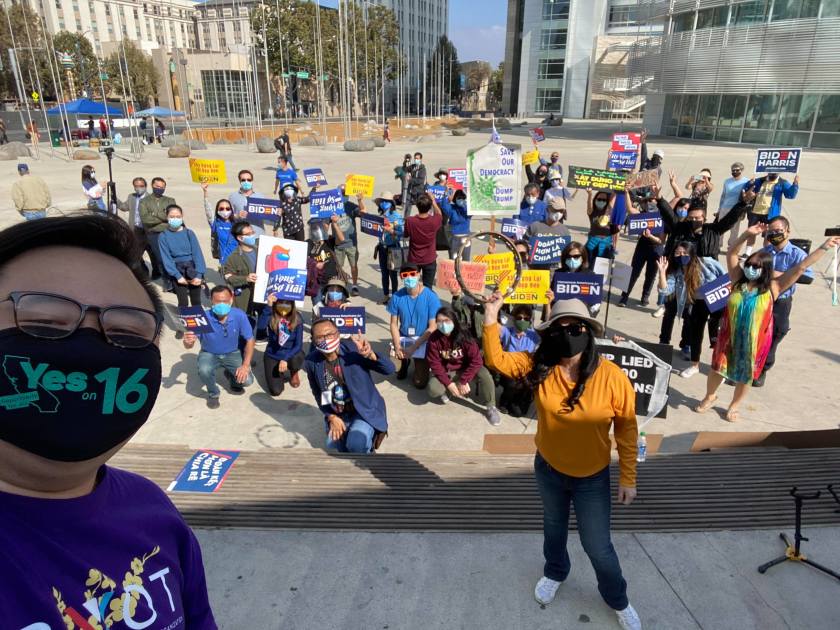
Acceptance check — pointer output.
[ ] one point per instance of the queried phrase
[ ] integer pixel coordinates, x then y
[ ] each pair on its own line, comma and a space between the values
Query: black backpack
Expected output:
278, 144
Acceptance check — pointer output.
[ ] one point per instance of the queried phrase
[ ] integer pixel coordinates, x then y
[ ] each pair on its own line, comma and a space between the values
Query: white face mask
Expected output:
556, 216
531, 200
288, 193
555, 183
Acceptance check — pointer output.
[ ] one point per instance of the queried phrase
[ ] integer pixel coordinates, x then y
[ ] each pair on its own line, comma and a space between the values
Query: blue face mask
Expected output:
250, 240
461, 203
411, 282
446, 328
221, 309
574, 263
684, 260
175, 223
752, 274
335, 296
246, 186
682, 213
385, 205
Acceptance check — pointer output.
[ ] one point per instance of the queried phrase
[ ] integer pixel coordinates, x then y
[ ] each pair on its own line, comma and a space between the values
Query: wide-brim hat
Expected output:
385, 195
335, 281
571, 308
441, 171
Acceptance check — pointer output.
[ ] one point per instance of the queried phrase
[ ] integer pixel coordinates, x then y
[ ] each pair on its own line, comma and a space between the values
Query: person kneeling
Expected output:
455, 362
221, 347
339, 376
283, 356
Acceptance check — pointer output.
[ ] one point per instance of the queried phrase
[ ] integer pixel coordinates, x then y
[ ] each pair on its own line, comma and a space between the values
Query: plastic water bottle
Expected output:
338, 399
641, 447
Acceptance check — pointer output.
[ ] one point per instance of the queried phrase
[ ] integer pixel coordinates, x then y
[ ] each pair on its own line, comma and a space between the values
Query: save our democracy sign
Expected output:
205, 471
194, 319
595, 178
324, 204
349, 321
263, 209
774, 160
315, 177
372, 224
645, 221
494, 173
546, 249
716, 293
586, 287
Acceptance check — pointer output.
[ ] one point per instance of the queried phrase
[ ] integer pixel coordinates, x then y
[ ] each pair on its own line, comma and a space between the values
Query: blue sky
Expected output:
478, 29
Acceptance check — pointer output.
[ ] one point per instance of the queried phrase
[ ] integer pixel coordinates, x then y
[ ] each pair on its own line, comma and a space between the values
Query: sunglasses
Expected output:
245, 180
756, 266
575, 256
220, 208
572, 330
523, 318
408, 274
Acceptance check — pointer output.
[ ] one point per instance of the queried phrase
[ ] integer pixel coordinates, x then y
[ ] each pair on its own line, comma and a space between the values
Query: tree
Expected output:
31, 58
496, 81
445, 57
137, 68
85, 72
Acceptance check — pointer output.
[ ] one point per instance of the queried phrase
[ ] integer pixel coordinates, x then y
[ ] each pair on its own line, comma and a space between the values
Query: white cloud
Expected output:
480, 44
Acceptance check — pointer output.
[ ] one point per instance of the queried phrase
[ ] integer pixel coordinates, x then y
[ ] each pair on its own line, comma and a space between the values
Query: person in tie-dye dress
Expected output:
746, 330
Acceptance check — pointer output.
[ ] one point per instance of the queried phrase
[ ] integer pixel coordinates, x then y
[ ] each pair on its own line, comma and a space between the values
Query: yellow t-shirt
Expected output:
577, 443
764, 197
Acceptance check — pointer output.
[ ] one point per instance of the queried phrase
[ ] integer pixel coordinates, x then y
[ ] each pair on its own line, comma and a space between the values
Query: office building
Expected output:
760, 72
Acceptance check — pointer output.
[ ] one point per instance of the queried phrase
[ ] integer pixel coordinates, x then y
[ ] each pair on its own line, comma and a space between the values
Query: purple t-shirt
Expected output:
121, 557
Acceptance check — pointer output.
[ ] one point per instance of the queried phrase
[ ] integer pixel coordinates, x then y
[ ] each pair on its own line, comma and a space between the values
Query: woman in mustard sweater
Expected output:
579, 396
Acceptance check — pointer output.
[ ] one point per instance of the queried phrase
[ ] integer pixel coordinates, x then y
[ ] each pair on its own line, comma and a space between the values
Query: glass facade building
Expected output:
758, 71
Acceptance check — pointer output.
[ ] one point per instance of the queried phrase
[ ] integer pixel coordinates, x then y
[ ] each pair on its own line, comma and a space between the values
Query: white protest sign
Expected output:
274, 254
493, 175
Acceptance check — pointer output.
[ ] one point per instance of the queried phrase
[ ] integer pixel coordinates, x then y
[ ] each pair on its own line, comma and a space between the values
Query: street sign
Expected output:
103, 76
302, 75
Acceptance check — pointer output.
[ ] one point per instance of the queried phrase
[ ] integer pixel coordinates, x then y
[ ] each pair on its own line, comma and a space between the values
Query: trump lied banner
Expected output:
494, 174
281, 269
349, 321
773, 160
716, 293
587, 287
645, 221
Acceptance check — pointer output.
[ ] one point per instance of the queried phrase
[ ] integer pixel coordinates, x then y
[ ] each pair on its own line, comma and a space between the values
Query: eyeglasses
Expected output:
575, 256
408, 274
51, 316
756, 266
325, 336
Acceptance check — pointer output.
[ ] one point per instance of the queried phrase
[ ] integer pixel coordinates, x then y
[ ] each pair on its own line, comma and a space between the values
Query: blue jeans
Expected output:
208, 363
357, 439
591, 498
31, 215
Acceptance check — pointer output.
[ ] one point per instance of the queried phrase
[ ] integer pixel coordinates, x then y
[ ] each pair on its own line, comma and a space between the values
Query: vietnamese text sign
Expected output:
208, 171
194, 319
532, 288
438, 192
643, 179
275, 254
349, 320
204, 472
622, 160
537, 134
645, 221
286, 284
514, 229
315, 177
595, 178
587, 287
494, 179
716, 293
457, 178
626, 141
772, 160
262, 209
372, 224
647, 365
530, 157
500, 267
324, 204
359, 185
472, 273
546, 249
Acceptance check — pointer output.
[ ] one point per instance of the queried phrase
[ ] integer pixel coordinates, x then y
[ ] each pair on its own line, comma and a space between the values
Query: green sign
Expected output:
325, 77
285, 75
103, 76
302, 75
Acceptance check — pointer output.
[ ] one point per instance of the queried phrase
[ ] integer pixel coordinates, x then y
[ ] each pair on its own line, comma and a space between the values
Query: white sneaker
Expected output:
443, 399
492, 415
690, 371
659, 312
545, 590
628, 619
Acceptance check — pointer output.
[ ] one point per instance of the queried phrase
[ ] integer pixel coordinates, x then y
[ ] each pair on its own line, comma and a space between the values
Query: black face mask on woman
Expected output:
73, 399
566, 341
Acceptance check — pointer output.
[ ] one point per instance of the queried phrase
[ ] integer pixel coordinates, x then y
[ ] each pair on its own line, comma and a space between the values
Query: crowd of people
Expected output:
503, 358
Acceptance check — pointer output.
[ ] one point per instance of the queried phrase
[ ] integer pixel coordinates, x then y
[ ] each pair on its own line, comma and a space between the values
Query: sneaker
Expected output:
644, 301
628, 619
622, 302
355, 290
690, 371
213, 402
545, 590
659, 312
686, 352
443, 399
237, 389
492, 415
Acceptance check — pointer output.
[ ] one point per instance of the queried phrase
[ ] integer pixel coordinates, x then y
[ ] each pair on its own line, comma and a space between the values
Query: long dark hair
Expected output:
545, 360
87, 169
584, 256
460, 336
766, 277
692, 272
216, 211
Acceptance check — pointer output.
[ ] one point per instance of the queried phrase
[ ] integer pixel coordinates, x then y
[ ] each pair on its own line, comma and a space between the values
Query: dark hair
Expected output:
459, 194
409, 266
783, 220
173, 206
87, 169
97, 232
544, 363
697, 203
238, 227
693, 273
220, 288
423, 203
531, 186
244, 170
318, 322
683, 201
584, 255
460, 336
604, 193
158, 179
139, 179
524, 309
418, 153
766, 277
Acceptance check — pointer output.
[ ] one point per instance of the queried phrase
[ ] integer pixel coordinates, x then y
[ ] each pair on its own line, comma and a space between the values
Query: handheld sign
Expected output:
349, 321
500, 267
472, 273
595, 178
773, 160
279, 254
586, 287
359, 185
208, 171
494, 179
194, 319
546, 249
716, 293
514, 229
532, 287
622, 160
457, 178
530, 157
205, 471
261, 209
537, 134
324, 204
648, 366
643, 179
626, 141
286, 284
645, 221
315, 177
372, 224
438, 192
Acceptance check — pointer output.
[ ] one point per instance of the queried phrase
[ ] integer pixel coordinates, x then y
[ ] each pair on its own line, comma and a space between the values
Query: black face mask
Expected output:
776, 238
564, 345
696, 224
73, 399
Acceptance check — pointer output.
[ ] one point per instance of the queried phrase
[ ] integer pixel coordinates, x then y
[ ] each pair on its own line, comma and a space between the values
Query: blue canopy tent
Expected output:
85, 107
159, 112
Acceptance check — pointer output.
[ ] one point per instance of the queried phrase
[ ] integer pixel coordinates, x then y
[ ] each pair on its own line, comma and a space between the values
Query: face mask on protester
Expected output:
555, 216
461, 203
335, 296
282, 309
175, 223
567, 341
221, 309
411, 282
531, 200
574, 263
288, 193
776, 238
442, 179
384, 206
696, 224
446, 328
600, 204
417, 162
246, 185
225, 214
158, 190
139, 190
93, 174
751, 273
82, 418
555, 183
554, 159
328, 346
684, 260
522, 324
250, 240
682, 213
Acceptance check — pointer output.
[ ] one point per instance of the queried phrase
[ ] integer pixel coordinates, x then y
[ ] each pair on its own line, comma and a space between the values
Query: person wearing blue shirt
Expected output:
283, 356
285, 174
339, 373
731, 195
516, 397
221, 347
455, 210
767, 193
413, 309
532, 207
389, 251
182, 259
220, 220
785, 256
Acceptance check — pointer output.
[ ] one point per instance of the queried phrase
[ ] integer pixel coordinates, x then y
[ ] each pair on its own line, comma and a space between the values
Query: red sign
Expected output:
626, 141
537, 134
457, 178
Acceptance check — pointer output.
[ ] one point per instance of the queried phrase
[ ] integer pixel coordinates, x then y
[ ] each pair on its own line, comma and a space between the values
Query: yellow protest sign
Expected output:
500, 268
532, 288
530, 157
358, 185
208, 171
